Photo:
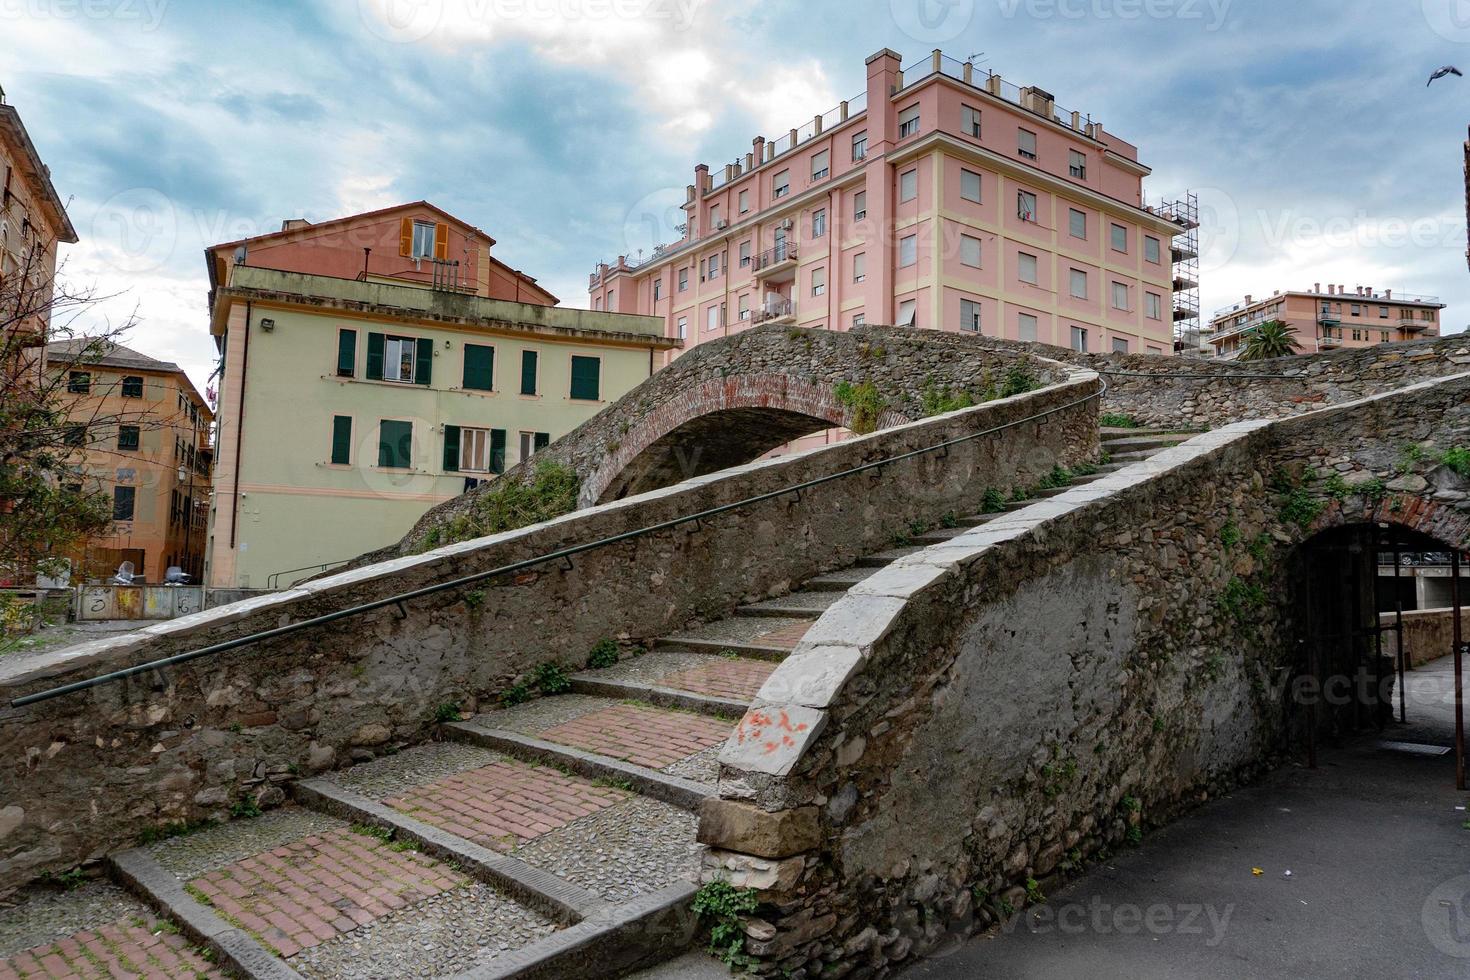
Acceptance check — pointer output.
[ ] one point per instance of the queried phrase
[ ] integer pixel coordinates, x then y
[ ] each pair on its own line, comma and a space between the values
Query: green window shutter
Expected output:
423, 370
451, 449
479, 367
528, 372
341, 439
395, 444
347, 354
375, 357
586, 378
497, 450
543, 439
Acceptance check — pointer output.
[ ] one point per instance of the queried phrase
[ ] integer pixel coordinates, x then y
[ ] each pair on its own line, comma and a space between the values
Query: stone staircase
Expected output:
554, 838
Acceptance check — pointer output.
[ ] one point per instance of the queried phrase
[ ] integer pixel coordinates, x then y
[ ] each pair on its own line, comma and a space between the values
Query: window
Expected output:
1026, 144
403, 359
712, 317
1383, 313
781, 184
533, 442
819, 282
860, 205
714, 265
860, 146
395, 444
123, 499
683, 327
658, 290
970, 185
127, 437
683, 279
1152, 251
1357, 310
702, 274
860, 267
79, 382
906, 312
858, 319
908, 185
1026, 326
1120, 345
530, 361
819, 222
744, 201
714, 216
1120, 296
1026, 205
1119, 238
423, 240
346, 353
742, 306
341, 440
132, 386
970, 121
970, 315
76, 435
1385, 337
970, 251
474, 450
908, 121
1076, 164
586, 378
821, 164
908, 250
1077, 223
745, 254
1079, 339
1154, 306
1079, 284
1026, 268
479, 367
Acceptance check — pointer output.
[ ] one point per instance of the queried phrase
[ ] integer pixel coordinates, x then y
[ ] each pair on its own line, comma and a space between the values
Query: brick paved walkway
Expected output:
505, 804
122, 949
314, 889
786, 636
728, 678
646, 736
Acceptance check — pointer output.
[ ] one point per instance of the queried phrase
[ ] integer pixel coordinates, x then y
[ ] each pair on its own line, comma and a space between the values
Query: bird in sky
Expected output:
1446, 70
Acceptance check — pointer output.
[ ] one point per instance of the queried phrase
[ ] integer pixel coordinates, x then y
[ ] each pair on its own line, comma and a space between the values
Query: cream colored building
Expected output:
347, 408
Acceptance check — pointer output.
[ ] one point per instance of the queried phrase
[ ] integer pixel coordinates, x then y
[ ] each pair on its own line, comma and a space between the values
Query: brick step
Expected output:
764, 638
795, 605
702, 682
882, 559
841, 580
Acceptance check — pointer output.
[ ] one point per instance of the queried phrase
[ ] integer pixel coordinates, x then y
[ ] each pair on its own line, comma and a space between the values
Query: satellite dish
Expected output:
240, 254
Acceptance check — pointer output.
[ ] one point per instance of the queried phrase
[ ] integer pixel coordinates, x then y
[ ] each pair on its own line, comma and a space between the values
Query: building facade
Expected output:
143, 433
942, 197
351, 405
1327, 320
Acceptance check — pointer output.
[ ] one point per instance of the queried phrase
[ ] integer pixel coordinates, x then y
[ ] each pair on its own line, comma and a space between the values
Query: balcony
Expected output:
1329, 319
1329, 342
1410, 324
776, 264
777, 310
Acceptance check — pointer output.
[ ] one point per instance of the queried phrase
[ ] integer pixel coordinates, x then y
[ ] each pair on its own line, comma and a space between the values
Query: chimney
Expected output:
1316, 287
1248, 299
291, 224
758, 149
1388, 294
749, 161
701, 178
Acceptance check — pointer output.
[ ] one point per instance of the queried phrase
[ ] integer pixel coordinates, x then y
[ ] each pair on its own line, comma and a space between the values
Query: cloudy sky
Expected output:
568, 128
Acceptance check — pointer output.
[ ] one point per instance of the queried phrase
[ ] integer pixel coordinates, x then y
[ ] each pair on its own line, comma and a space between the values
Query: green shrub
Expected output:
552, 679
1020, 379
724, 907
1117, 420
508, 504
604, 654
865, 403
446, 712
993, 502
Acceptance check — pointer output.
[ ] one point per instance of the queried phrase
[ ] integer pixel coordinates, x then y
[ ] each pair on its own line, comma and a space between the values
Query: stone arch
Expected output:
715, 424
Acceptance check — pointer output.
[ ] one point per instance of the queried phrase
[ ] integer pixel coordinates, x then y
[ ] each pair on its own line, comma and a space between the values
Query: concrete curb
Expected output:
664, 697
556, 897
137, 871
638, 933
683, 793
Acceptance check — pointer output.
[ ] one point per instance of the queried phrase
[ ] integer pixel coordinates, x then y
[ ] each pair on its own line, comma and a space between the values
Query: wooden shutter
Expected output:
528, 372
451, 449
586, 378
347, 353
497, 450
395, 444
341, 439
441, 241
479, 367
405, 237
375, 357
423, 369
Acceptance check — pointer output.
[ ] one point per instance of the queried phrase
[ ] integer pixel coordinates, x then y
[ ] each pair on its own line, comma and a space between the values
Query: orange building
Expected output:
1328, 320
144, 432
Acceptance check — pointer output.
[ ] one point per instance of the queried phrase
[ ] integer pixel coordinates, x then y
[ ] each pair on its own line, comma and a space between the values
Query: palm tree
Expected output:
1273, 338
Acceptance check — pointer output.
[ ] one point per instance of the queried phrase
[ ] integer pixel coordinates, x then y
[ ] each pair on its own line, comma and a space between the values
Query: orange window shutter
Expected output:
441, 241
405, 236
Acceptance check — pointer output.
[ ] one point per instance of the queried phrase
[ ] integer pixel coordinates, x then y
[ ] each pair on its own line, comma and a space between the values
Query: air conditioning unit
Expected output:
722, 224
784, 224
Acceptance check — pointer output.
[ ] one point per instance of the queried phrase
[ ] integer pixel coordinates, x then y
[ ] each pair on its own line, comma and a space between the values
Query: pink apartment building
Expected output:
1328, 319
943, 197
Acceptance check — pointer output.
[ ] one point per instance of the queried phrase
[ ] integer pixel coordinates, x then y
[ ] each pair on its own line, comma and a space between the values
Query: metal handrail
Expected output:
274, 578
555, 556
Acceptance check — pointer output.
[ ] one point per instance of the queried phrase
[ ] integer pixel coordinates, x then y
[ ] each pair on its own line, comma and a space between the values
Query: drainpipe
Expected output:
240, 429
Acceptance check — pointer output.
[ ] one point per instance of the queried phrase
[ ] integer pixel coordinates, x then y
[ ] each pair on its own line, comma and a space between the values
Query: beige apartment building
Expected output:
1327, 319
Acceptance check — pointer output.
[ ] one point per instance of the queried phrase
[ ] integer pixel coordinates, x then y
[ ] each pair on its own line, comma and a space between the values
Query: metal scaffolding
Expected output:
1184, 212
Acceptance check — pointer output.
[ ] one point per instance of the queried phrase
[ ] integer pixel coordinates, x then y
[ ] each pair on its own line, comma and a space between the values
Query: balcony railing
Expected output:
771, 257
774, 309
1414, 324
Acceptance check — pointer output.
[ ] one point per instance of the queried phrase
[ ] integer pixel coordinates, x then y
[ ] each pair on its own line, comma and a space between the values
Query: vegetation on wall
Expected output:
508, 504
865, 403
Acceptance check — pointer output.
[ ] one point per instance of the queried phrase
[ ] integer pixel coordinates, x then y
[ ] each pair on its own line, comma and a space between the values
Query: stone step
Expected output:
882, 559
795, 605
977, 520
765, 638
1144, 430
702, 682
1133, 456
939, 534
1116, 446
842, 580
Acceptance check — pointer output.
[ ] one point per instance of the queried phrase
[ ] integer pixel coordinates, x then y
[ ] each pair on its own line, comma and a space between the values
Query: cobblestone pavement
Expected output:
194, 854
775, 631
534, 717
41, 914
726, 677
392, 775
642, 735
702, 767
131, 947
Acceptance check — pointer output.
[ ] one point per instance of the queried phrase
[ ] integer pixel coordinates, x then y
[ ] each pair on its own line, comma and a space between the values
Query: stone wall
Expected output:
977, 719
89, 771
1429, 634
